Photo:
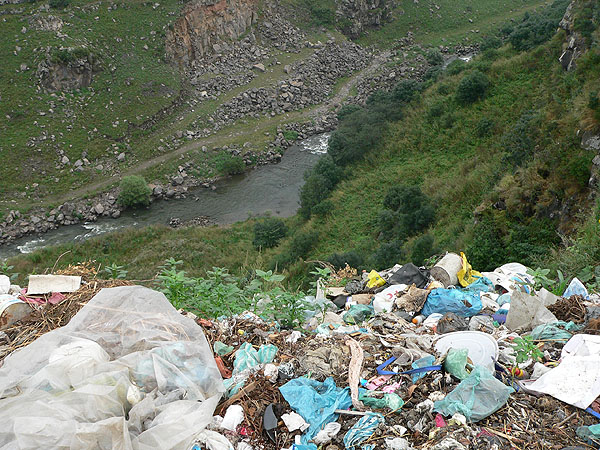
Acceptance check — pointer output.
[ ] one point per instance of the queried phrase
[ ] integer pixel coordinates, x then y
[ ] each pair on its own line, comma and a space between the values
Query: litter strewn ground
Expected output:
398, 359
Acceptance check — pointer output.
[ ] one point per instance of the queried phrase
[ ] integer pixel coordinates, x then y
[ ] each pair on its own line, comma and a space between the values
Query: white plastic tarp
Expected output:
80, 386
576, 380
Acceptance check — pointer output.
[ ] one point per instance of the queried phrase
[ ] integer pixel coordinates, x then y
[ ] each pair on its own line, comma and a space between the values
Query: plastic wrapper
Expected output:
476, 397
70, 387
457, 301
358, 314
456, 363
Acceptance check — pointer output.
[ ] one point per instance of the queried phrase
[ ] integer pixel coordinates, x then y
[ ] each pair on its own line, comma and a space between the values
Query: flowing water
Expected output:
271, 188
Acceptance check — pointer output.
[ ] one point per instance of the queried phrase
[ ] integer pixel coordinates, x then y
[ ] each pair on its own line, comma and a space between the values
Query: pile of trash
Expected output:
406, 358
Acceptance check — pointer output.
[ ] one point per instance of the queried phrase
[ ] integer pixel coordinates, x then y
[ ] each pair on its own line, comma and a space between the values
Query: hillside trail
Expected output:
322, 108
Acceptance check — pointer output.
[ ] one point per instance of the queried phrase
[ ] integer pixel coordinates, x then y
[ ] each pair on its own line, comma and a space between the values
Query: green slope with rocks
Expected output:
507, 171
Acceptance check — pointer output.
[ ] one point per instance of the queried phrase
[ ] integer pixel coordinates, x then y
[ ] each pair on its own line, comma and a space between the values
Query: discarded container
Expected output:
482, 348
446, 270
12, 309
4, 284
45, 284
466, 275
375, 280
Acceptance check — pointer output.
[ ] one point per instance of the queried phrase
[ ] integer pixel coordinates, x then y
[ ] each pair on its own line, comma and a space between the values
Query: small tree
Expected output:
134, 192
269, 232
59, 3
472, 87
434, 57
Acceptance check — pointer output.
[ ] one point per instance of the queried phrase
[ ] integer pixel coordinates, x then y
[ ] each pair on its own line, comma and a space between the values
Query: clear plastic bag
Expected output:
69, 387
476, 397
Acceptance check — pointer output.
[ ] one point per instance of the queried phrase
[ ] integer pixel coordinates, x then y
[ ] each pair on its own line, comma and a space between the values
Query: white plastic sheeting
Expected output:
79, 386
576, 380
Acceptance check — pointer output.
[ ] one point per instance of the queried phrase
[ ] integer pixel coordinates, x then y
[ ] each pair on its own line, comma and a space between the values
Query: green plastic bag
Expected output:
222, 349
555, 331
391, 401
456, 363
476, 397
358, 314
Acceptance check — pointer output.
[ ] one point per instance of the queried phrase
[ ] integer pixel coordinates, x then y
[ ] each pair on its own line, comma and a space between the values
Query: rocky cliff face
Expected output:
67, 75
205, 23
356, 16
575, 44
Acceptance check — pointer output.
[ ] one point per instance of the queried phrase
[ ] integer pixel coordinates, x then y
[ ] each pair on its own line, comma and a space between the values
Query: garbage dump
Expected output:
402, 358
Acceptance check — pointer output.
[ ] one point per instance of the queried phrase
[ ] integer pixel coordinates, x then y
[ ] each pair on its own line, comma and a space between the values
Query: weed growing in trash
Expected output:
221, 293
6, 269
116, 272
526, 349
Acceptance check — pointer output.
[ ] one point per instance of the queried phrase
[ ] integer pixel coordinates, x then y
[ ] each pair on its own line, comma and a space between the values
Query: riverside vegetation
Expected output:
485, 156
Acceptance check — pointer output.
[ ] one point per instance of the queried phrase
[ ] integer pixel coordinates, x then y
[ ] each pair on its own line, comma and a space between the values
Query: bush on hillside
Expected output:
484, 127
422, 249
407, 212
302, 243
320, 180
269, 232
406, 90
518, 142
346, 110
387, 255
339, 260
59, 3
134, 192
434, 57
490, 43
456, 67
230, 165
536, 28
472, 87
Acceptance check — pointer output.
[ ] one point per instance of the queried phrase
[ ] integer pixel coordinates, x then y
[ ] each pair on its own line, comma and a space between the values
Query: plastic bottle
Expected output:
418, 319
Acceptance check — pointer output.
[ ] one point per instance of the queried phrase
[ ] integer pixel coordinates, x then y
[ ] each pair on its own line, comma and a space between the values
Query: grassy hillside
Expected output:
506, 176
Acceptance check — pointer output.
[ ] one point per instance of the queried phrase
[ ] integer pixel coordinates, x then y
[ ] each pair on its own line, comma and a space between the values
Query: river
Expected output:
273, 188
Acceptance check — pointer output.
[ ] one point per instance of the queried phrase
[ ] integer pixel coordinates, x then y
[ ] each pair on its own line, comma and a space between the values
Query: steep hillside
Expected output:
506, 169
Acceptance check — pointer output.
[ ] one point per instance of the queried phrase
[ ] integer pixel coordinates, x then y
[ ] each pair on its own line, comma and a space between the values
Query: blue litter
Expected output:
381, 368
362, 430
576, 287
316, 402
426, 361
460, 302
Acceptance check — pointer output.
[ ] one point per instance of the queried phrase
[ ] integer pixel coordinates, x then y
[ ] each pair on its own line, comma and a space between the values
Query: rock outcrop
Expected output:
575, 44
204, 24
356, 16
69, 71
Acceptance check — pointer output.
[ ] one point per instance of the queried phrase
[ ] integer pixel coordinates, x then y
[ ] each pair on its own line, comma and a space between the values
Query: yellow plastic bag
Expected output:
375, 280
467, 275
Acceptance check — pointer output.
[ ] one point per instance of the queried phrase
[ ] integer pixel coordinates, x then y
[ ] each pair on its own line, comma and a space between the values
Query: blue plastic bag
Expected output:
315, 402
576, 287
555, 331
460, 302
423, 362
362, 430
503, 299
482, 284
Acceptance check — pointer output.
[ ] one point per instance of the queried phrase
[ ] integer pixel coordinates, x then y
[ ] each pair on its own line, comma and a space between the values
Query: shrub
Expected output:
456, 67
302, 243
436, 109
472, 87
490, 42
536, 28
339, 260
320, 180
422, 249
59, 3
433, 73
484, 126
487, 250
434, 57
230, 165
387, 255
410, 207
519, 141
290, 135
346, 110
134, 192
323, 208
269, 232
406, 91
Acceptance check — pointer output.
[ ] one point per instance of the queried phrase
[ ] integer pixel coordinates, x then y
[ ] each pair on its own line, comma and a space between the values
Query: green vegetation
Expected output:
269, 232
472, 87
134, 192
227, 164
506, 174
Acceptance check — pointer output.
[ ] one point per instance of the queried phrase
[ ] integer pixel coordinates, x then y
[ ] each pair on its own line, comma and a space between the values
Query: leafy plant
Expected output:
6, 269
472, 87
540, 277
526, 349
134, 192
116, 272
269, 232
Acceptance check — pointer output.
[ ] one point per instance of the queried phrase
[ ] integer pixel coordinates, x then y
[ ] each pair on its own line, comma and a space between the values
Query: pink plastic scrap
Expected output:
439, 421
376, 382
53, 299
391, 388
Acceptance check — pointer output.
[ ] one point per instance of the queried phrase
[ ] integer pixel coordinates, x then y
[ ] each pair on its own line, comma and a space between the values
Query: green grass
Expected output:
450, 23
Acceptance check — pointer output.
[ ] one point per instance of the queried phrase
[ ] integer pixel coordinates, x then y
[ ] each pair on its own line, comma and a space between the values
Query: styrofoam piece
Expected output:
46, 284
